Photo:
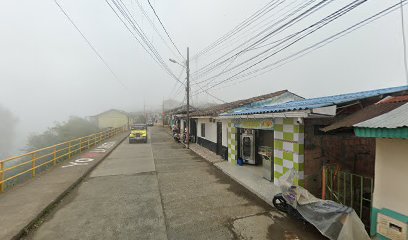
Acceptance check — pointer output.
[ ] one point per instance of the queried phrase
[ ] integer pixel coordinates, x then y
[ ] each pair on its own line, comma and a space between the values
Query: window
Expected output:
202, 129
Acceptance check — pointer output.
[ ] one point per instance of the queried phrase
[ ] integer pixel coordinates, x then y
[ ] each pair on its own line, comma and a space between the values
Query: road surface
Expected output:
160, 190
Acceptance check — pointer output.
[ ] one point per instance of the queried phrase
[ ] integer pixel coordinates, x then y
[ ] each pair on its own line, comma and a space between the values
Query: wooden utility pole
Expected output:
163, 112
188, 97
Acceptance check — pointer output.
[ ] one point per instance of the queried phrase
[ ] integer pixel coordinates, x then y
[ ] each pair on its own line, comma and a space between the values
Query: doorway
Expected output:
219, 138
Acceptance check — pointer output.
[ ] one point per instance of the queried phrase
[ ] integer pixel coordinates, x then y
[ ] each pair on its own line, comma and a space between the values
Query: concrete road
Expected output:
160, 190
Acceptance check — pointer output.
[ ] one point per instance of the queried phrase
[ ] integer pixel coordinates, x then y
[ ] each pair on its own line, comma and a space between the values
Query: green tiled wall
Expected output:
288, 148
232, 143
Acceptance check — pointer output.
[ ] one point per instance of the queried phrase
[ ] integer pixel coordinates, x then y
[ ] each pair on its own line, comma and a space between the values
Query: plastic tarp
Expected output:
333, 220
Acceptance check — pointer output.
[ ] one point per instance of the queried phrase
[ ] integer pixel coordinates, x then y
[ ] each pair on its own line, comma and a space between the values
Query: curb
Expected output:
23, 232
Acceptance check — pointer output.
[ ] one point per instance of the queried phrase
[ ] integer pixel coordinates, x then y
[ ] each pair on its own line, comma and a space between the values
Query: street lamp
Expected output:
187, 66
174, 61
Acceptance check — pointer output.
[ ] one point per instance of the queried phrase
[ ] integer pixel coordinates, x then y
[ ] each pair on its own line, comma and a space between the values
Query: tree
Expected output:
8, 124
75, 127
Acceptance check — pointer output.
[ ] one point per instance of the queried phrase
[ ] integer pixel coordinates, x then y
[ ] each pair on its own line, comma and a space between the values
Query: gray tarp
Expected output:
332, 219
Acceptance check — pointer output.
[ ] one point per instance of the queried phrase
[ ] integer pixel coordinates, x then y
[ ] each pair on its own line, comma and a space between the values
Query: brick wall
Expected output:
353, 154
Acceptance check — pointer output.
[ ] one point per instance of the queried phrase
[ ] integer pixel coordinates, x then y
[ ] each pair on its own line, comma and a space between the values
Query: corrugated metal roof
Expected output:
393, 119
321, 101
394, 99
363, 115
218, 109
285, 97
401, 133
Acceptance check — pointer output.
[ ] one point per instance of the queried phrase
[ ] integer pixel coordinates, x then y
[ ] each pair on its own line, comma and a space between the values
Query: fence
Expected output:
349, 189
18, 169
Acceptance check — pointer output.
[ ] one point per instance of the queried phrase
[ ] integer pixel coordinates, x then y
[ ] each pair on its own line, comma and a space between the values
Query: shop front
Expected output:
254, 142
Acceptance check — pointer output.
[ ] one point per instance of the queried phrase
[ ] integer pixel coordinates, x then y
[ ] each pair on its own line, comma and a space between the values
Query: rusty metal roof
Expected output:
395, 99
218, 109
362, 115
395, 118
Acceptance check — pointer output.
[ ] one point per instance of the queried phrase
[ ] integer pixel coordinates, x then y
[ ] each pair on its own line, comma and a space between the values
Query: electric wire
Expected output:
122, 10
404, 41
309, 11
330, 18
168, 35
143, 11
318, 45
91, 46
126, 13
253, 28
236, 29
318, 25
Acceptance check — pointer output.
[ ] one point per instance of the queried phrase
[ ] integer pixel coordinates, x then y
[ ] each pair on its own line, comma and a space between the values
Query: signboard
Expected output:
266, 124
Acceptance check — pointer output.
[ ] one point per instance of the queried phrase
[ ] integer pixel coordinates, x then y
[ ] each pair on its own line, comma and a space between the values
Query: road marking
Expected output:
103, 148
79, 162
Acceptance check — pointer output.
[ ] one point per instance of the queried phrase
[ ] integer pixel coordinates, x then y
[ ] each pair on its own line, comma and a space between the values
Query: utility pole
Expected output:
188, 98
144, 111
163, 111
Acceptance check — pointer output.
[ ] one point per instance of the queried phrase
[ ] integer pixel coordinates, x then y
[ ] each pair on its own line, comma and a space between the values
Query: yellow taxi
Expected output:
138, 133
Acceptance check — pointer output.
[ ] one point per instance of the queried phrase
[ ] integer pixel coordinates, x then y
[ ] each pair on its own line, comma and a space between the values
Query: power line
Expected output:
404, 41
129, 18
259, 13
153, 25
168, 35
302, 34
316, 27
278, 29
176, 83
318, 45
91, 45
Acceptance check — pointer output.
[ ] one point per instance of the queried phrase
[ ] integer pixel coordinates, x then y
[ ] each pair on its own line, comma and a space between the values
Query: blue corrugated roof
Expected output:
312, 103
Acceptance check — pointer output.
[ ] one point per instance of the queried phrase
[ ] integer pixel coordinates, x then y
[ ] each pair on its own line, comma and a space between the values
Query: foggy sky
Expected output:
48, 72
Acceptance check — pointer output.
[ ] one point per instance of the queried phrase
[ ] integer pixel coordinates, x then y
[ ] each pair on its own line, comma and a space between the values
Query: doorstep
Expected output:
248, 176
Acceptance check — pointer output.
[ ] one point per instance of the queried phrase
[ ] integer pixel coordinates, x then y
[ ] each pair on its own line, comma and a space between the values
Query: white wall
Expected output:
391, 175
210, 129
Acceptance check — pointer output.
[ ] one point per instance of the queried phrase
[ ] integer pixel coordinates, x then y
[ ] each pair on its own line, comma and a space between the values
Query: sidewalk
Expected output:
248, 176
24, 204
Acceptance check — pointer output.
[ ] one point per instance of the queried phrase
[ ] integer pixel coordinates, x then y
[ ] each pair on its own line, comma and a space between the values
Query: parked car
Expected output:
150, 124
138, 133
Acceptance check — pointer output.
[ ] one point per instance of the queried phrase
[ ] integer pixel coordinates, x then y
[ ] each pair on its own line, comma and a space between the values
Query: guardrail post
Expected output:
69, 150
2, 176
55, 155
33, 164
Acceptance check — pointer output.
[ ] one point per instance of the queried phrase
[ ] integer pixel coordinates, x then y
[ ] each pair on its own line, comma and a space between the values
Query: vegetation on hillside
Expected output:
75, 127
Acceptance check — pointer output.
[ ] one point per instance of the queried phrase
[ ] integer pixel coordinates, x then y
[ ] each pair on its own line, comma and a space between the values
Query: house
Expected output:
212, 131
178, 117
299, 142
111, 119
389, 129
308, 137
